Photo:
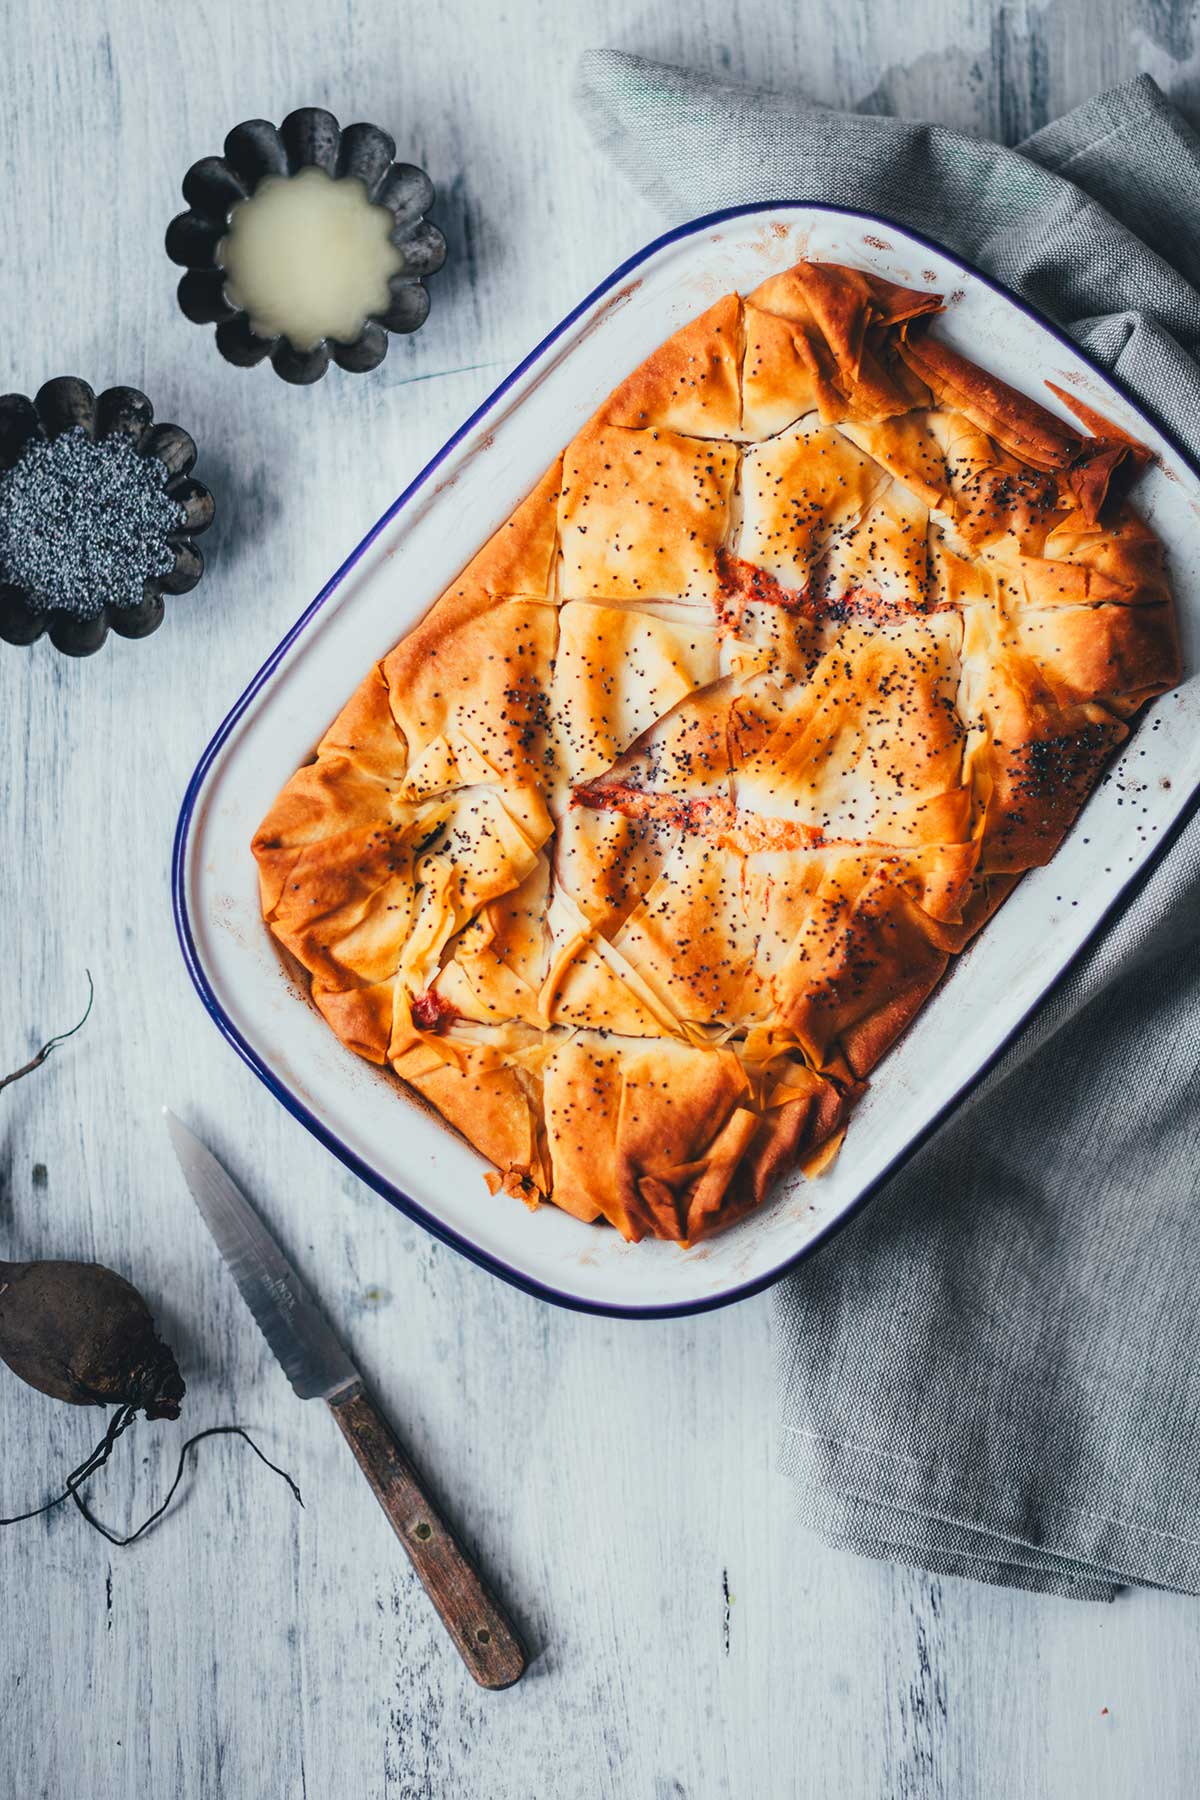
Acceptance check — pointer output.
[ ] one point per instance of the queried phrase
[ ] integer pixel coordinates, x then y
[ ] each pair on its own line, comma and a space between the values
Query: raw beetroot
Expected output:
83, 1334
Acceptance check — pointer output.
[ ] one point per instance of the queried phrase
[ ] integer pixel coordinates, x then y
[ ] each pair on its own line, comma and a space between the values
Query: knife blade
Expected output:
318, 1368
284, 1311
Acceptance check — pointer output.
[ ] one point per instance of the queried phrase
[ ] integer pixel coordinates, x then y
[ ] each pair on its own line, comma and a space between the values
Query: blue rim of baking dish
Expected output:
398, 1198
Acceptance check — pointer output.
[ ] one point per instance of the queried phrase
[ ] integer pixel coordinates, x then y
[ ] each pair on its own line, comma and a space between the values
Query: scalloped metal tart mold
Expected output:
66, 404
307, 138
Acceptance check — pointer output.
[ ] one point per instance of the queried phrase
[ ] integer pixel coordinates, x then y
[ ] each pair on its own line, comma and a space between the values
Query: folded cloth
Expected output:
994, 1370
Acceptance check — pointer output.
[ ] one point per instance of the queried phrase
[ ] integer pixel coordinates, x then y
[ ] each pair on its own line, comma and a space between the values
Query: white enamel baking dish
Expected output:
394, 575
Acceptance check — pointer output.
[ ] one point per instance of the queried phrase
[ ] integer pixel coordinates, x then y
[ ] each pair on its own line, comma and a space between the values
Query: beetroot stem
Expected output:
198, 1437
122, 1419
35, 1062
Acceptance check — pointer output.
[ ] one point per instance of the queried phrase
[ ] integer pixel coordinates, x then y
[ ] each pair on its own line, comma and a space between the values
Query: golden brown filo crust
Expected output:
637, 854
643, 515
666, 1140
689, 384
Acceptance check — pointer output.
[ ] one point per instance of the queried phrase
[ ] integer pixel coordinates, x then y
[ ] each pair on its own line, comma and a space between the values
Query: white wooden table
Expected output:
617, 1479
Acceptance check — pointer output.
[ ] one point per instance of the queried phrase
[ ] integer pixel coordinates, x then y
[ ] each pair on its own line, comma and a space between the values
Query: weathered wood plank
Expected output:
615, 1480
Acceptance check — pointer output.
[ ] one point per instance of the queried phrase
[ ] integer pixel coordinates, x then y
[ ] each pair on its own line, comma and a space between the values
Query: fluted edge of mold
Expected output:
308, 138
63, 404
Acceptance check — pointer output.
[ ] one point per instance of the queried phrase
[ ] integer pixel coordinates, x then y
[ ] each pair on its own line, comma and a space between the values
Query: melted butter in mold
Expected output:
309, 256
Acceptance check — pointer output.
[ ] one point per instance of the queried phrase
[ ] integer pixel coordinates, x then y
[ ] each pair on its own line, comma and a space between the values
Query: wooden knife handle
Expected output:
482, 1635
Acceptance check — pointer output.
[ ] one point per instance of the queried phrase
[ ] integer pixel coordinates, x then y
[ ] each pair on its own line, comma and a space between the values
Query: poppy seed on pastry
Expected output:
741, 726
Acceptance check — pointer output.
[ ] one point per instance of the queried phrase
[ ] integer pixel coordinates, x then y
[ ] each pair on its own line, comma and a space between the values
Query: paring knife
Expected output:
318, 1368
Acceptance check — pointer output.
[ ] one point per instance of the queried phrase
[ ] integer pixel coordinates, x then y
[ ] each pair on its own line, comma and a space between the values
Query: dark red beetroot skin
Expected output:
81, 1333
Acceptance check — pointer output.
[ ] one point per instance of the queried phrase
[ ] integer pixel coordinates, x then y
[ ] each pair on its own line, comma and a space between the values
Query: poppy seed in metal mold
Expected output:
84, 525
99, 511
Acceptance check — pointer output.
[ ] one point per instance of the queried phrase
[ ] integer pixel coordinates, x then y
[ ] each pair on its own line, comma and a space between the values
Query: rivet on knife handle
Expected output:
482, 1635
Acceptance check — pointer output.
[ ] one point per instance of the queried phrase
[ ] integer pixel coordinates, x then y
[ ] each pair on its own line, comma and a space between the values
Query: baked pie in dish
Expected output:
638, 853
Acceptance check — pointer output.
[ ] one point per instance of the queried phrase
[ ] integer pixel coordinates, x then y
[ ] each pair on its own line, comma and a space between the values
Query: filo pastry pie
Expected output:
638, 853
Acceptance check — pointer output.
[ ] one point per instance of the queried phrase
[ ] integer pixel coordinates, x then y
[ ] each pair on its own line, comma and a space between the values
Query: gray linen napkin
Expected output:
995, 1369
